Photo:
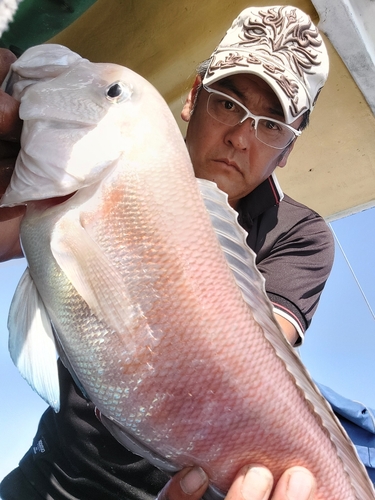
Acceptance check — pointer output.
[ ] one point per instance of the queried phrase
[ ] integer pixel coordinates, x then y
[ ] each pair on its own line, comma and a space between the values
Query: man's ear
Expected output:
285, 155
188, 108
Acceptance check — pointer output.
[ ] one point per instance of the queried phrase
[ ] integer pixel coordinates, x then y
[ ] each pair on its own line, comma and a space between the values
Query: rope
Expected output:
353, 273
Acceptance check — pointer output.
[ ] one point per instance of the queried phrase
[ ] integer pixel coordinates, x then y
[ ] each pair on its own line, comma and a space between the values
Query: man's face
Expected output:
232, 156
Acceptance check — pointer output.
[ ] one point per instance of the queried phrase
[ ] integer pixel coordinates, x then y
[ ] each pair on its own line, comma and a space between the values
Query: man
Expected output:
247, 106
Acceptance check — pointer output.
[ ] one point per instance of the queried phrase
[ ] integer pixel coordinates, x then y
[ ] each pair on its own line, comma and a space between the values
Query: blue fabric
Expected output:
359, 422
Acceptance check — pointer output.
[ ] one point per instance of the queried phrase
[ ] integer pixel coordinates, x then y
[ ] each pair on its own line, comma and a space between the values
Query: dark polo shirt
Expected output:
74, 457
294, 247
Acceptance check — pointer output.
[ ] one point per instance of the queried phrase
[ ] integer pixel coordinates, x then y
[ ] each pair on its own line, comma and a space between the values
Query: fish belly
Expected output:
192, 375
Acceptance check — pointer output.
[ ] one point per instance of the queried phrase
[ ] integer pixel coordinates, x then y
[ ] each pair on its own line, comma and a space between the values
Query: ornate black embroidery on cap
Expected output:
279, 41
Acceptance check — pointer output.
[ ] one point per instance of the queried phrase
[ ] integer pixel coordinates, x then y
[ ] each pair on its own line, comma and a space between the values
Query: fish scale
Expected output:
157, 307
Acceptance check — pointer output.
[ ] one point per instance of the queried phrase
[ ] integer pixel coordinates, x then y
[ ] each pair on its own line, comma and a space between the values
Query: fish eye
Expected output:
118, 91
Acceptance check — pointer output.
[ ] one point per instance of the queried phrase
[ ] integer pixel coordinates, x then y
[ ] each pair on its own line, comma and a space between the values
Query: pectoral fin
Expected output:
31, 341
97, 280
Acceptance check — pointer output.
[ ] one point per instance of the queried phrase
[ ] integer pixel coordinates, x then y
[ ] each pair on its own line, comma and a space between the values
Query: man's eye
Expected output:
229, 105
272, 125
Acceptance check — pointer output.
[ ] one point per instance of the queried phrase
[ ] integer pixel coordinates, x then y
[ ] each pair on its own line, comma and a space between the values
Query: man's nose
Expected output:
241, 135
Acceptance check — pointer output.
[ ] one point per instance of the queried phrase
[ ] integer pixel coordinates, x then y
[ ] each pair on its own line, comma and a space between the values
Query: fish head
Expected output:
79, 118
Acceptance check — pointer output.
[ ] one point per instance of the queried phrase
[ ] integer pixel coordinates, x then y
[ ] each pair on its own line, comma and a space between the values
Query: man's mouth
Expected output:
229, 163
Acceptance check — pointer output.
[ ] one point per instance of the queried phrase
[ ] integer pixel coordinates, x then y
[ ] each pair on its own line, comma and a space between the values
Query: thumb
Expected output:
188, 484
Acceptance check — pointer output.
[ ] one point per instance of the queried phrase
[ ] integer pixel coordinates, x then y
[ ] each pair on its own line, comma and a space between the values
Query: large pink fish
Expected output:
167, 329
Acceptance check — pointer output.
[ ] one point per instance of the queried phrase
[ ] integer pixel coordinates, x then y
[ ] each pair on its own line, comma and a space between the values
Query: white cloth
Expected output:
7, 10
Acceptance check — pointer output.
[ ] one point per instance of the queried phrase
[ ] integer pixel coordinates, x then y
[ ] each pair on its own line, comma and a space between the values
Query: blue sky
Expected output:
339, 349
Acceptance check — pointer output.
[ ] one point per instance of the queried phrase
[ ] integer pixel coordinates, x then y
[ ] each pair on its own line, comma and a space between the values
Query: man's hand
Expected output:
10, 123
251, 483
10, 131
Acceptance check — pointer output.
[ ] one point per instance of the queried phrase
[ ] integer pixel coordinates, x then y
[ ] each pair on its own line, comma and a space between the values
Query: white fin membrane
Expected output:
31, 342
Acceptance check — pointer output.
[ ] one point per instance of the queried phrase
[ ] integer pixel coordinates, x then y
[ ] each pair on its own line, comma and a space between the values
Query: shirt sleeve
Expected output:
295, 259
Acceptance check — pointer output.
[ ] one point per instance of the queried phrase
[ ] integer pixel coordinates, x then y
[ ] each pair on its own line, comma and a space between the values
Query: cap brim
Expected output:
291, 93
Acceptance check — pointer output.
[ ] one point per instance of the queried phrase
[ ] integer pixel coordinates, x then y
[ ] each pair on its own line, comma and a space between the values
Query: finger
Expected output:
10, 122
251, 483
297, 483
10, 247
6, 171
6, 59
9, 213
188, 484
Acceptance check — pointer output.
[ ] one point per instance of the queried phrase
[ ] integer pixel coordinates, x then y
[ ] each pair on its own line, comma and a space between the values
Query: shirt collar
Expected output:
266, 195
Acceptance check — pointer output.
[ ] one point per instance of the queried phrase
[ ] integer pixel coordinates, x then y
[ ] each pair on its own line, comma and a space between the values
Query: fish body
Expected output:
161, 319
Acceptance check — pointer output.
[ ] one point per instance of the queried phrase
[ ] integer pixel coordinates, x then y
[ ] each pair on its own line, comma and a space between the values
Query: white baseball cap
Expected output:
281, 45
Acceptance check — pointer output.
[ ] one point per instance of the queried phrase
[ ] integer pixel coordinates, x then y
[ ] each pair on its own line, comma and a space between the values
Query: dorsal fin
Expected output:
241, 260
